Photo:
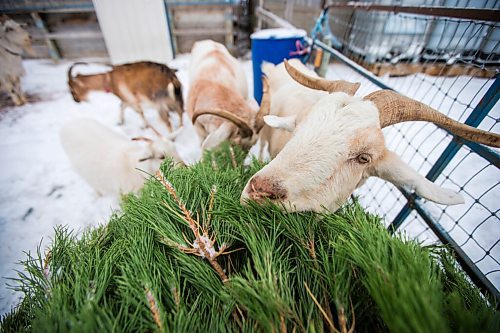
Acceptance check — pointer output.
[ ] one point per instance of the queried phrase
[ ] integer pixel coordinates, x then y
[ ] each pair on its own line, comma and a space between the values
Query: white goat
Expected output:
337, 143
290, 103
217, 101
13, 41
110, 162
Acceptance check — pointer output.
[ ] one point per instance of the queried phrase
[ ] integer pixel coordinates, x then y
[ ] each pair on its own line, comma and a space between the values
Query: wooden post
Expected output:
228, 15
289, 10
259, 18
53, 51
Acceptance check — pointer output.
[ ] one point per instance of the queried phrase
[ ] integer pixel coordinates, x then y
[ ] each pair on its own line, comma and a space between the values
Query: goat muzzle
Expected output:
261, 189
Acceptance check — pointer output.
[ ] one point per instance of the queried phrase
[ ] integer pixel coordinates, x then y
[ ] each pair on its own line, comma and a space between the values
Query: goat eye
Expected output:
363, 158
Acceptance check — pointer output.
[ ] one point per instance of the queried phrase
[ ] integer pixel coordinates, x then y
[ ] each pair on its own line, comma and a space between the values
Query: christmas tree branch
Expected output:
202, 245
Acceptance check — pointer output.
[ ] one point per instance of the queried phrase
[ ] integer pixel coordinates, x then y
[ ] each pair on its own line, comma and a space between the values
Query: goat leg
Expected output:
123, 106
139, 110
180, 112
164, 116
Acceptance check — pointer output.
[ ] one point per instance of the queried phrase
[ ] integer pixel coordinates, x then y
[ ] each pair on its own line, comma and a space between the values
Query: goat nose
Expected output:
260, 189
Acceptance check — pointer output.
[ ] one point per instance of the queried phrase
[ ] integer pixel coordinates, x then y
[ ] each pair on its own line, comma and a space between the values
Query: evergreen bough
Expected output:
185, 256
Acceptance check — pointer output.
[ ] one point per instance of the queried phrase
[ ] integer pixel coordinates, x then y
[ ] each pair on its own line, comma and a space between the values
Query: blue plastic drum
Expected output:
272, 45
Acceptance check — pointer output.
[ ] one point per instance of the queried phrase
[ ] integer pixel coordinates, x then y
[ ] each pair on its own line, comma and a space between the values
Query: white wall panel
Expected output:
134, 30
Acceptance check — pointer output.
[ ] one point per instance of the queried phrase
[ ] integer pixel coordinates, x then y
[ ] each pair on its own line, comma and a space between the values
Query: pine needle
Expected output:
162, 238
325, 316
154, 308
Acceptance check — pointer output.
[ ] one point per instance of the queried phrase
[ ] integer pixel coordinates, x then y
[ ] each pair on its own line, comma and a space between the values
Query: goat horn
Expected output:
265, 105
246, 131
146, 158
70, 70
320, 83
155, 131
395, 108
172, 135
142, 138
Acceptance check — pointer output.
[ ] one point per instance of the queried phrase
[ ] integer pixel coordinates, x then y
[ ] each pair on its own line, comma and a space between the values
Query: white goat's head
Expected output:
340, 144
14, 37
155, 152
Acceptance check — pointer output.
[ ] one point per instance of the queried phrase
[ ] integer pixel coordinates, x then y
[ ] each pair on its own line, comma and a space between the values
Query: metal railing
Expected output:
451, 64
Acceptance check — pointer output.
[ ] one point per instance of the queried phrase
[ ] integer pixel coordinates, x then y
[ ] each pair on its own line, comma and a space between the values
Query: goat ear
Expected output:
171, 136
76, 80
394, 170
217, 137
285, 123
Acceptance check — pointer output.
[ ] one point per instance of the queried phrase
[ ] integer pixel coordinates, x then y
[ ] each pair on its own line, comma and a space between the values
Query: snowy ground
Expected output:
40, 190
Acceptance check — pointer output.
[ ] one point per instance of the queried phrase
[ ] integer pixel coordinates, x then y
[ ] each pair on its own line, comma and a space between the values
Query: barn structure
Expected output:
126, 31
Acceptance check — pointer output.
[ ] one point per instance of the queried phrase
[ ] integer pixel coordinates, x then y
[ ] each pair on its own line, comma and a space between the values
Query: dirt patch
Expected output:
6, 103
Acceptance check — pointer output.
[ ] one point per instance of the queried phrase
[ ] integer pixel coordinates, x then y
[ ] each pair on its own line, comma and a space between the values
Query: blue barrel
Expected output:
272, 45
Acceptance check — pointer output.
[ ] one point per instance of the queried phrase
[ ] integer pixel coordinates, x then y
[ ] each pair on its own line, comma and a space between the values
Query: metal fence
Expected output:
451, 64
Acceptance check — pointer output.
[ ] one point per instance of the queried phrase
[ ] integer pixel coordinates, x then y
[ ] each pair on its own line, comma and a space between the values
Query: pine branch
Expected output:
121, 278
202, 245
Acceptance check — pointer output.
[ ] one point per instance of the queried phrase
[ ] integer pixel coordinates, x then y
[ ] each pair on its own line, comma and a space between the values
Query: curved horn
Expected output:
172, 135
70, 70
155, 131
246, 131
395, 108
320, 83
142, 138
265, 105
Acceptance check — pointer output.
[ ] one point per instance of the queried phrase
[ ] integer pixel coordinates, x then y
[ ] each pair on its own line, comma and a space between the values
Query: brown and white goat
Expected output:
217, 102
336, 143
13, 41
136, 84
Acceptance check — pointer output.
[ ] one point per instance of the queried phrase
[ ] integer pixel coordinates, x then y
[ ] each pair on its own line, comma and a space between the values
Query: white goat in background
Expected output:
336, 143
110, 162
13, 41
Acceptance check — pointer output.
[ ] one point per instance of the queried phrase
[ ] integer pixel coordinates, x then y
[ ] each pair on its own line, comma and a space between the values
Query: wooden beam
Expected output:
273, 20
53, 51
74, 35
200, 32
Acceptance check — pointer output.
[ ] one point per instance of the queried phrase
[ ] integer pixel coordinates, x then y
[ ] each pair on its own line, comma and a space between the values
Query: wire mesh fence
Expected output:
450, 64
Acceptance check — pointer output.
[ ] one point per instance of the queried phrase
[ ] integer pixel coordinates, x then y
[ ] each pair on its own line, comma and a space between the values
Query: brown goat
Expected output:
136, 84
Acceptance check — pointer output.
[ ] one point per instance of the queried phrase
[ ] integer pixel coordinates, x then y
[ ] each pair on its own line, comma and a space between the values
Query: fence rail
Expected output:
464, 83
480, 14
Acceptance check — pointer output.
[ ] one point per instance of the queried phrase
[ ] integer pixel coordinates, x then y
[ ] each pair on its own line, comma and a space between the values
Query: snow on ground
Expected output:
41, 191
39, 188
